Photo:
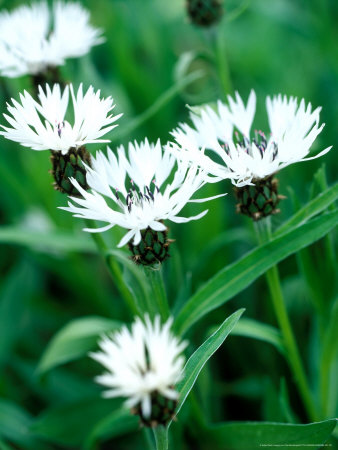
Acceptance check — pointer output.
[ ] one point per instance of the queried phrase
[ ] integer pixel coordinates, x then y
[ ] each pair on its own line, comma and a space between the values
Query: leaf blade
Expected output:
315, 206
236, 277
256, 435
257, 330
74, 340
199, 358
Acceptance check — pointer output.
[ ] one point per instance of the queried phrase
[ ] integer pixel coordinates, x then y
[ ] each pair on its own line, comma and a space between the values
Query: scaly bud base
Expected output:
260, 200
70, 165
152, 249
162, 411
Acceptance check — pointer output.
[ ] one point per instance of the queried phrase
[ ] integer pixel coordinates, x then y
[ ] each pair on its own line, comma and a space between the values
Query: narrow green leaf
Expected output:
258, 435
199, 358
117, 423
284, 401
218, 243
315, 206
52, 241
257, 330
70, 424
75, 340
16, 290
14, 426
329, 355
236, 277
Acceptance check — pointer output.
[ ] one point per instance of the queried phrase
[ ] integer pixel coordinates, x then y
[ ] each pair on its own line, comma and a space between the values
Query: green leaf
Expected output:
284, 401
4, 446
199, 358
315, 206
218, 243
75, 340
257, 330
14, 426
329, 356
192, 369
258, 435
17, 290
70, 424
117, 423
236, 277
52, 241
134, 279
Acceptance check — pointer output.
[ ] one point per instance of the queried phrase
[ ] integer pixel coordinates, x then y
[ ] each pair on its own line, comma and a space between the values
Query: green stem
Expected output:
161, 437
292, 353
114, 270
149, 438
116, 275
158, 293
222, 63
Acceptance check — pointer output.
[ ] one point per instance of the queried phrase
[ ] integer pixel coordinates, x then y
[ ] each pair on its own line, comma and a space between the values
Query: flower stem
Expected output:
222, 63
161, 437
263, 228
116, 275
157, 292
114, 270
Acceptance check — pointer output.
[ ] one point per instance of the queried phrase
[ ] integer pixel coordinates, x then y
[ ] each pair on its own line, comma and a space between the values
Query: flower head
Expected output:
141, 364
43, 125
246, 156
29, 44
138, 190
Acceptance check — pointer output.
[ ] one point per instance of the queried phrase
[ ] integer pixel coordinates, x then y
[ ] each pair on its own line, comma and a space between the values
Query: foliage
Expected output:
58, 294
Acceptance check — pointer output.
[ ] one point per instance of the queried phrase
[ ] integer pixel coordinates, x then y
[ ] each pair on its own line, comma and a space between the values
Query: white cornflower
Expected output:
234, 152
43, 125
34, 38
141, 363
137, 187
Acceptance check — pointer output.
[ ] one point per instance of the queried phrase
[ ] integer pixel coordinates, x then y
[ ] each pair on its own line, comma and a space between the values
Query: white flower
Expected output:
43, 125
33, 38
140, 362
239, 156
138, 190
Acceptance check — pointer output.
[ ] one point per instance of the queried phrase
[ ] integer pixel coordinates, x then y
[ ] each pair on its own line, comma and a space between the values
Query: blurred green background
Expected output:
283, 46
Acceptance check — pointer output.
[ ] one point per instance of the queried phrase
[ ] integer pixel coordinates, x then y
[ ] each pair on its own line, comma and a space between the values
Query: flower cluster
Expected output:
28, 44
143, 364
141, 187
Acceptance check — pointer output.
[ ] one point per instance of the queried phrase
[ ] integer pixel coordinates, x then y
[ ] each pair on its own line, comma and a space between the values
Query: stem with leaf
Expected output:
114, 270
263, 229
158, 299
161, 437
